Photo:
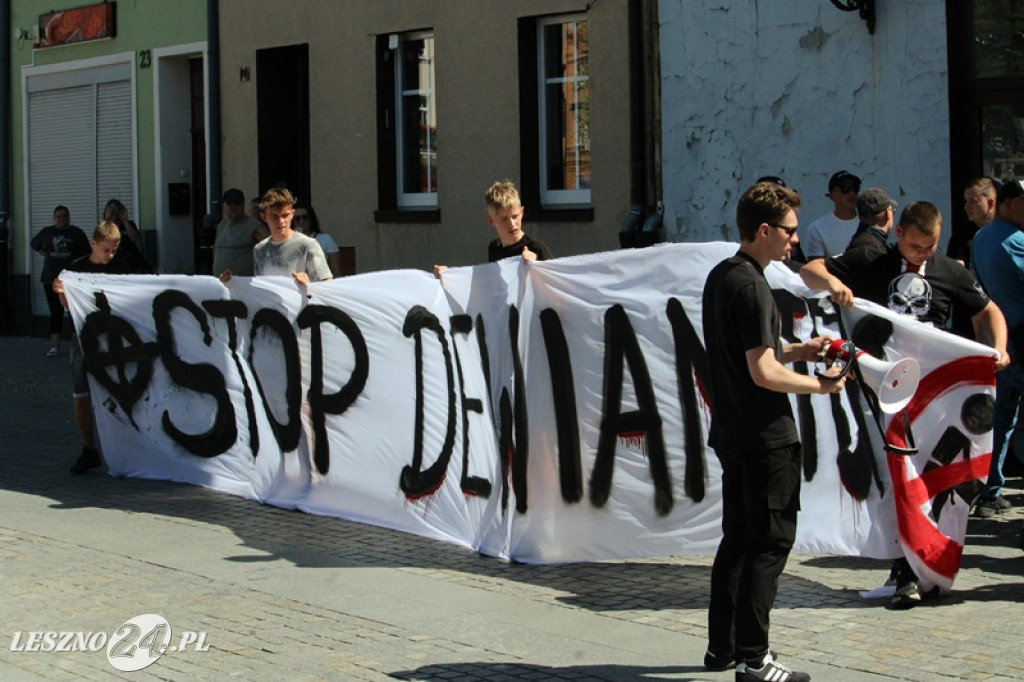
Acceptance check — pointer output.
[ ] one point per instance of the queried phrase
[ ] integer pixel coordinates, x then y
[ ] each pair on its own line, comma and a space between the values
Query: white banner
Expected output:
541, 412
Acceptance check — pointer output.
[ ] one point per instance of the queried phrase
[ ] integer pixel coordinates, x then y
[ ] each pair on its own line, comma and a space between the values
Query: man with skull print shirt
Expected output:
909, 277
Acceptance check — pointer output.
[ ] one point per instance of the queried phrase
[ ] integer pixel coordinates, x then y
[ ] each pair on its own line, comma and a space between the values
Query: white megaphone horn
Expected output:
893, 382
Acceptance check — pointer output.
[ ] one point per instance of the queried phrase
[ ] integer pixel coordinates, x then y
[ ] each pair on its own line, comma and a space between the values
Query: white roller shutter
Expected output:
114, 170
80, 133
62, 165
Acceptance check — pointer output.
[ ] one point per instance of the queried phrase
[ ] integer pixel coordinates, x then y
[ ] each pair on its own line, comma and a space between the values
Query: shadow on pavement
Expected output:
494, 671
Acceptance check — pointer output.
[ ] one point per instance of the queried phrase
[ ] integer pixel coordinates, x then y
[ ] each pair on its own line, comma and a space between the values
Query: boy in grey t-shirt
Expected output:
286, 252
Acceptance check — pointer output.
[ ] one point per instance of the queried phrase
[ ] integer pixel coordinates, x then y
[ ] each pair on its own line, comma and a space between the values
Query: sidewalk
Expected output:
283, 595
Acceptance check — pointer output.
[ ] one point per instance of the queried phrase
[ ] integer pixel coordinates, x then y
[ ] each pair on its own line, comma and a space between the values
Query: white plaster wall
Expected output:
799, 89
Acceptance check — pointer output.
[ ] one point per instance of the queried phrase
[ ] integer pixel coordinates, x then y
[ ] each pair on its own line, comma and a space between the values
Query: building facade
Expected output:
393, 117
107, 102
925, 99
622, 121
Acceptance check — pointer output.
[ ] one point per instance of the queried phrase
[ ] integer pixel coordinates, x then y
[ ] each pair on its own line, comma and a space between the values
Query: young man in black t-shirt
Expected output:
505, 213
754, 434
105, 243
909, 277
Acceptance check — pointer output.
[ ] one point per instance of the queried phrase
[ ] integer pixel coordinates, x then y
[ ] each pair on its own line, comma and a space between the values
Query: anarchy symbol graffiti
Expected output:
116, 356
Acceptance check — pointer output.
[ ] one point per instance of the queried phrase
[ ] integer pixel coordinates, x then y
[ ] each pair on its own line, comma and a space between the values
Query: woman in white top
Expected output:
306, 222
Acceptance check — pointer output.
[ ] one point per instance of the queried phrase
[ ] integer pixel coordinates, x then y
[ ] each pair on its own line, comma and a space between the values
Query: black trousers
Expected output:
760, 500
56, 309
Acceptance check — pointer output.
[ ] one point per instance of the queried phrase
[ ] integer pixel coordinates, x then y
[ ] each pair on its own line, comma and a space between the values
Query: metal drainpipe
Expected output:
6, 308
653, 227
643, 224
637, 128
652, 114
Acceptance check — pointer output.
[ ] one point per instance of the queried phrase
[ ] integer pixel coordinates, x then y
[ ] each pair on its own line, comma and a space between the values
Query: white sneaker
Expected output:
770, 671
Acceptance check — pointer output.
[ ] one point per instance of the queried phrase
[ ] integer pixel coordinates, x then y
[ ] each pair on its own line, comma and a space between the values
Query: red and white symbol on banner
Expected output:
947, 399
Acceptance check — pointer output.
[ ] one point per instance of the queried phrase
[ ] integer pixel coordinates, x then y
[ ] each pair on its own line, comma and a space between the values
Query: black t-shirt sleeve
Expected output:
967, 294
82, 264
494, 251
40, 238
753, 309
851, 265
541, 249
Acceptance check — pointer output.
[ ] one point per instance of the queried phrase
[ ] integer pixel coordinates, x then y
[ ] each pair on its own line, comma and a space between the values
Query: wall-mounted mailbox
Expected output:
179, 198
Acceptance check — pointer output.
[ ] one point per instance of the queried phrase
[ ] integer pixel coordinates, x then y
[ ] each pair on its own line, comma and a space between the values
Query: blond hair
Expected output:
502, 195
107, 231
986, 185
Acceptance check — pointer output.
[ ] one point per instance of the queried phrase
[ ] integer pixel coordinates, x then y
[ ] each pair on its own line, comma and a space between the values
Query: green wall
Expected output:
140, 25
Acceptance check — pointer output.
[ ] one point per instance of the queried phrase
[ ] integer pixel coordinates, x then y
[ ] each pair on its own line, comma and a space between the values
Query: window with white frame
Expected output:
563, 61
416, 121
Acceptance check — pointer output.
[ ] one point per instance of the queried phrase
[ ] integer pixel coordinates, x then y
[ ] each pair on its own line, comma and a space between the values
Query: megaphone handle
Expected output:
842, 349
842, 373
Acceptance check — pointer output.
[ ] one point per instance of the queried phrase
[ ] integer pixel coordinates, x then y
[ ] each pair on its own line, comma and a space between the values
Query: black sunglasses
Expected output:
790, 231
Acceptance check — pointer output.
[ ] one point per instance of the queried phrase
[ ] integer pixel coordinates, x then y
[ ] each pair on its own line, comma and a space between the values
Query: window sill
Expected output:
559, 215
392, 215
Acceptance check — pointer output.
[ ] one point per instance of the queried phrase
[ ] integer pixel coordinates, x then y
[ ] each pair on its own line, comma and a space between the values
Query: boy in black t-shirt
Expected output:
505, 213
105, 242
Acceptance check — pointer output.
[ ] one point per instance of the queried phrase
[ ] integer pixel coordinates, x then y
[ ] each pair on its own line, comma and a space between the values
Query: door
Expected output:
282, 110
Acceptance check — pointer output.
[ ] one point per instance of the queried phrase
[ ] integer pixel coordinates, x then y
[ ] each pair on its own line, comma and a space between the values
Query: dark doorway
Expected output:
986, 87
282, 110
201, 251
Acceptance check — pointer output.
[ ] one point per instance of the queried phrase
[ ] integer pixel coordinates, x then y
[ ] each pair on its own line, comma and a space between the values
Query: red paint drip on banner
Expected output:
636, 439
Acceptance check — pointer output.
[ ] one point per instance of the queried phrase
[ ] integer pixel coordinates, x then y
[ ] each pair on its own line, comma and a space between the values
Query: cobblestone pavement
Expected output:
287, 595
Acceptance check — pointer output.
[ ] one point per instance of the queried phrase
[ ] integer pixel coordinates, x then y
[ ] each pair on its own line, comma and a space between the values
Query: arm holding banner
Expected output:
993, 325
58, 288
816, 276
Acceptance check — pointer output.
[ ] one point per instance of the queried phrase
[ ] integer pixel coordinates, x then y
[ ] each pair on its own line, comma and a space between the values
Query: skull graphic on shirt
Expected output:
910, 294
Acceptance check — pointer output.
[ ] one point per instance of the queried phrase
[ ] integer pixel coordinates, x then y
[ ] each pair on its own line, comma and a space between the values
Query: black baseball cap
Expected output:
234, 196
843, 177
873, 201
1011, 189
774, 179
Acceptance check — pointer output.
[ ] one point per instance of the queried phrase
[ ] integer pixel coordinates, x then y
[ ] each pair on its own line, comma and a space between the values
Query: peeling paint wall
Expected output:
799, 89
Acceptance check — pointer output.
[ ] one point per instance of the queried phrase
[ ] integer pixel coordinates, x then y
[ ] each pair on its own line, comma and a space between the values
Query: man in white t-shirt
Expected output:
285, 252
829, 234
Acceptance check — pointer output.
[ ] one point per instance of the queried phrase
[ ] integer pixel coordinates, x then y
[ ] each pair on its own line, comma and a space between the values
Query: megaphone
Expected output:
893, 382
